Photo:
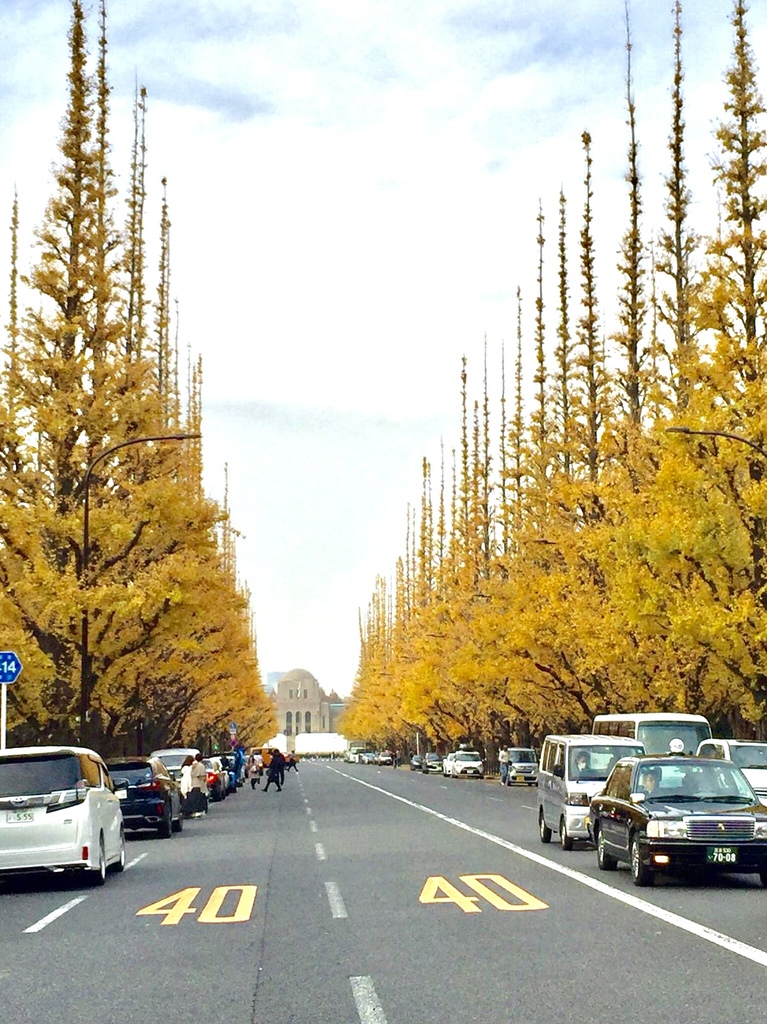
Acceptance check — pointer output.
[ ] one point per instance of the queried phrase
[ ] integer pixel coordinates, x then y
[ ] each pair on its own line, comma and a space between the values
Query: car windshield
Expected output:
173, 759
593, 763
467, 755
523, 756
36, 774
750, 755
674, 782
433, 757
656, 736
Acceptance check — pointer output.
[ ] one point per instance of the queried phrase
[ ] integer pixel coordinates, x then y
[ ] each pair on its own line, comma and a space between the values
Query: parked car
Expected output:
432, 763
523, 766
385, 757
218, 778
367, 757
661, 813
416, 761
749, 756
228, 764
174, 757
467, 763
149, 795
59, 812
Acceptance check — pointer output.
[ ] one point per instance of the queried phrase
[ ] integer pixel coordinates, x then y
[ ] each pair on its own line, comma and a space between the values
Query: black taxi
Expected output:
664, 812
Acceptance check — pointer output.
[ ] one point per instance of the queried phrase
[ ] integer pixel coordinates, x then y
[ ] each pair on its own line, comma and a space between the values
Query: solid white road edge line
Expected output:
366, 1000
758, 956
39, 925
336, 900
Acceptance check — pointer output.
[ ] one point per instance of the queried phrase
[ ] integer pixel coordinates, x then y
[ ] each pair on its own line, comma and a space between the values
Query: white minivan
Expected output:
656, 730
59, 812
573, 769
749, 755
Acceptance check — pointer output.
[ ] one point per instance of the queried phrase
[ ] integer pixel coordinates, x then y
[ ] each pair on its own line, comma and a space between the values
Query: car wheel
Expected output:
565, 841
763, 877
165, 828
543, 829
605, 861
640, 873
178, 824
98, 875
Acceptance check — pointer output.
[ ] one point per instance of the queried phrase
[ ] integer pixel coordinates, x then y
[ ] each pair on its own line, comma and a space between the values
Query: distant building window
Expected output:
290, 695
323, 724
289, 723
308, 722
306, 694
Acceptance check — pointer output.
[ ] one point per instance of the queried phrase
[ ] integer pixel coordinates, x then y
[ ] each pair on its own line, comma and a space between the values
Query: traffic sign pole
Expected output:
10, 670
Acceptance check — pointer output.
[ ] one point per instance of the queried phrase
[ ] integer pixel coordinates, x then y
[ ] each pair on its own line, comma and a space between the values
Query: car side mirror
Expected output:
558, 771
638, 798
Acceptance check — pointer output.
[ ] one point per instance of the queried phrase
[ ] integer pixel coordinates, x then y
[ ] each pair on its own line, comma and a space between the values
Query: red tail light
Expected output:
211, 778
153, 787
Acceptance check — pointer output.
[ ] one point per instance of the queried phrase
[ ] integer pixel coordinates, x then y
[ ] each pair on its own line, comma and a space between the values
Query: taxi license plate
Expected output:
722, 855
14, 816
121, 794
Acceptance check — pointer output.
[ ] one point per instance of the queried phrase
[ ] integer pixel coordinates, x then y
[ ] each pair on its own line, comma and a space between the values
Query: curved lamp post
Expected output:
720, 433
85, 667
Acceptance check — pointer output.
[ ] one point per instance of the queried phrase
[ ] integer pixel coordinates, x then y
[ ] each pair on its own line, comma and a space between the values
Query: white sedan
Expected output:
467, 764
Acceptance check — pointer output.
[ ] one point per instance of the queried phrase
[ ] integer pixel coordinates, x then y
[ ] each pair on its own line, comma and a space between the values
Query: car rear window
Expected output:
135, 774
36, 774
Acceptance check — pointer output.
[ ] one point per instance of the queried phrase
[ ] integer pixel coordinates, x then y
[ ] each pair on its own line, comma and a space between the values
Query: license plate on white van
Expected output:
16, 816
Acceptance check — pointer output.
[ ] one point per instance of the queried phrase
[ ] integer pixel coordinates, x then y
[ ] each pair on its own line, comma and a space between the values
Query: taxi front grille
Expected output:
720, 830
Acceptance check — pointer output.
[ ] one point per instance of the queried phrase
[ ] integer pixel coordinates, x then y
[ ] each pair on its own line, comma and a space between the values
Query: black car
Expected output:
416, 761
665, 813
149, 796
432, 762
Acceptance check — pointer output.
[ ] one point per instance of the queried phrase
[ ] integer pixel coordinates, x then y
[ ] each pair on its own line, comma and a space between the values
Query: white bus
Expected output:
656, 729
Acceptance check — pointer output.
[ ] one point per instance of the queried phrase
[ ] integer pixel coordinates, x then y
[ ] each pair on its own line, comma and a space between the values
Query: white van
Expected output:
573, 769
749, 755
59, 812
655, 730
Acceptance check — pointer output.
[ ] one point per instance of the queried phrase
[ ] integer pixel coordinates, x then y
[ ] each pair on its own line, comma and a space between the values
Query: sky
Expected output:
353, 190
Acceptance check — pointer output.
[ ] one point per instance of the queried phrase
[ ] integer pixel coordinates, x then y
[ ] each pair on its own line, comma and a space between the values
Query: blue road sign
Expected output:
10, 667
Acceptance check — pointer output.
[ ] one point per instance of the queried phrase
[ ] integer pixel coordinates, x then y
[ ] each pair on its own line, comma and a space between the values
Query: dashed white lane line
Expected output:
758, 956
527, 807
312, 826
320, 850
368, 1007
135, 861
44, 921
336, 900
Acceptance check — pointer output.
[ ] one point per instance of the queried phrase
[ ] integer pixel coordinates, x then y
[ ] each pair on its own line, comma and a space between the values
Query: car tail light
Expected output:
85, 853
160, 809
153, 786
211, 778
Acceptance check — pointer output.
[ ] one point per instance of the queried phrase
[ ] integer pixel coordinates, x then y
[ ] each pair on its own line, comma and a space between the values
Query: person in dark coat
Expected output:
275, 773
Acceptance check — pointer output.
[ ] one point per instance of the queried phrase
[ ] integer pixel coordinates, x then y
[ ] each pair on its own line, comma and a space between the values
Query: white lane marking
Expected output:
308, 810
758, 956
527, 807
320, 849
134, 862
312, 826
336, 900
39, 925
368, 1007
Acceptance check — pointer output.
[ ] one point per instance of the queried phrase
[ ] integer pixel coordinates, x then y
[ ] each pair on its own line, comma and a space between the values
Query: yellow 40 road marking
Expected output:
438, 884
174, 907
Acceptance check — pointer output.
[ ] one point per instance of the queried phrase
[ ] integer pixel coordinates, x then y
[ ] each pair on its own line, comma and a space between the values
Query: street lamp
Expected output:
85, 668
719, 433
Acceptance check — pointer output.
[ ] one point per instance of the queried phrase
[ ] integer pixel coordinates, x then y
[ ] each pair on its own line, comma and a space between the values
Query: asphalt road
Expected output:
361, 895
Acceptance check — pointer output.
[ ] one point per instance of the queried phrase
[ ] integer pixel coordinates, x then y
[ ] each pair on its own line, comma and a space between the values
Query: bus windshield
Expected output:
656, 736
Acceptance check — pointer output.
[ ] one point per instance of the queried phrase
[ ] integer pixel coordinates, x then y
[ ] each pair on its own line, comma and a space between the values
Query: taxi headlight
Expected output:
666, 829
760, 830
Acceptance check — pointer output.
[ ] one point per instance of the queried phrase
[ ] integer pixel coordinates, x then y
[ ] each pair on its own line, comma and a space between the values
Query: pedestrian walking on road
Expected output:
198, 793
275, 773
291, 761
503, 757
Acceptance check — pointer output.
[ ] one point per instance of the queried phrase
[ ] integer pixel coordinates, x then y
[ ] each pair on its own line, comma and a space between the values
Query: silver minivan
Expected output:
59, 812
573, 769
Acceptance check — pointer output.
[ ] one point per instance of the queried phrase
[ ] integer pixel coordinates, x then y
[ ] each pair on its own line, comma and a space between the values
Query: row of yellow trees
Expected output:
589, 560
90, 364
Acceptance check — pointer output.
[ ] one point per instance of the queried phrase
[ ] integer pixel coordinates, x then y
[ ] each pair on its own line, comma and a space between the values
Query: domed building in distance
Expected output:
302, 706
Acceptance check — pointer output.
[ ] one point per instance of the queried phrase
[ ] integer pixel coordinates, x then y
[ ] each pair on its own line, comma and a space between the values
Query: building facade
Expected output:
303, 706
